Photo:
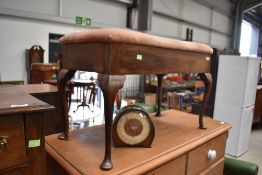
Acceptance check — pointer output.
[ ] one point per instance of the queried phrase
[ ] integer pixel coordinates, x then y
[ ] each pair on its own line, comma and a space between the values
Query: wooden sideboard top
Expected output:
15, 100
176, 134
45, 66
38, 88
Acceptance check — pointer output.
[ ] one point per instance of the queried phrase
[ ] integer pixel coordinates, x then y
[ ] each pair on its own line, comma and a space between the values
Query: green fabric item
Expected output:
148, 108
239, 167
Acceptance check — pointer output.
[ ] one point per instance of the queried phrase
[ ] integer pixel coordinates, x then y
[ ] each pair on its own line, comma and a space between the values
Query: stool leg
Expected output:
63, 77
109, 84
159, 93
207, 79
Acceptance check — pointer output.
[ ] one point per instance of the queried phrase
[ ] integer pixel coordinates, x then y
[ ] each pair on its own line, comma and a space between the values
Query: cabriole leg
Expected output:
159, 93
109, 84
63, 77
207, 79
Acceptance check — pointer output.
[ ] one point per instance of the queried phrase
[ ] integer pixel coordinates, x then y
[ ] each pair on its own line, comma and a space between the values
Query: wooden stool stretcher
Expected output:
114, 53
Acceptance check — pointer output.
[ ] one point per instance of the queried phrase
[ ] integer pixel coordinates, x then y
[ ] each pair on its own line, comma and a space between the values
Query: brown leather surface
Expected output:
13, 99
177, 133
38, 88
132, 37
8, 89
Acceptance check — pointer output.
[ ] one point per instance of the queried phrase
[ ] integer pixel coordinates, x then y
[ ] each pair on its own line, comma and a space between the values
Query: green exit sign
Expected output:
83, 21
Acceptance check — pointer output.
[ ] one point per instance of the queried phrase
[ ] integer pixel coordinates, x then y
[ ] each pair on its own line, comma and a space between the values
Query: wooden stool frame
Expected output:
114, 60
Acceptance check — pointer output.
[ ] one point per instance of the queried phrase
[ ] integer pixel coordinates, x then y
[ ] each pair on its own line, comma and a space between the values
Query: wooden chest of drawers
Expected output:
179, 148
21, 132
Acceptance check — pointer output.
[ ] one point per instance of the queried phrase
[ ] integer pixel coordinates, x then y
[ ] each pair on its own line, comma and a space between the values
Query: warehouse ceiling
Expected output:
253, 10
257, 11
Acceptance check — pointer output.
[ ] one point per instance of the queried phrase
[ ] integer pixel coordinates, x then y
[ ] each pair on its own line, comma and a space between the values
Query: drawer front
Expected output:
198, 159
174, 167
13, 153
216, 169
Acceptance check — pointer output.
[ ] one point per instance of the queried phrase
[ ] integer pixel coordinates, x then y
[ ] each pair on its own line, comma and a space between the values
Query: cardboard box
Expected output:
127, 101
150, 98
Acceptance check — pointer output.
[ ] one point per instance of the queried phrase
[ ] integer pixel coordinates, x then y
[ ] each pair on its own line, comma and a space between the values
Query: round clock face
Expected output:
133, 128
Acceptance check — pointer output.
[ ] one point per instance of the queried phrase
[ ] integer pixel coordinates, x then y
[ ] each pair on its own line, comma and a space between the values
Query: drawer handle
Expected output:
212, 154
3, 142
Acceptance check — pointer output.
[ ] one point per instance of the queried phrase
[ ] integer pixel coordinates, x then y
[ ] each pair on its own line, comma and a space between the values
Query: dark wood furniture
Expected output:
114, 53
33, 55
86, 92
69, 89
22, 148
12, 82
257, 117
209, 109
49, 94
51, 81
179, 148
42, 71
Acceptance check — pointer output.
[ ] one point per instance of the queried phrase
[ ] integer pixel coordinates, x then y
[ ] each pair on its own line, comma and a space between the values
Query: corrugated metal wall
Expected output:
131, 86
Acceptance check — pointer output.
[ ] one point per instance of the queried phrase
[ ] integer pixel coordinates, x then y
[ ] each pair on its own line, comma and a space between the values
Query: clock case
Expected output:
129, 109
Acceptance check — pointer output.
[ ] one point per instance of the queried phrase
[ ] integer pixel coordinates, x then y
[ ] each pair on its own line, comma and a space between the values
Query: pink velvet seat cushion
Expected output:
116, 35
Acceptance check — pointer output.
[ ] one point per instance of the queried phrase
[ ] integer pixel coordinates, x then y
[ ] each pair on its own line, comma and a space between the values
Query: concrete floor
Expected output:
254, 153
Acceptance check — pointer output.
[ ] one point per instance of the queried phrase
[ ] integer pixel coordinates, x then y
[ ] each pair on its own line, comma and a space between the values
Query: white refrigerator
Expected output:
235, 99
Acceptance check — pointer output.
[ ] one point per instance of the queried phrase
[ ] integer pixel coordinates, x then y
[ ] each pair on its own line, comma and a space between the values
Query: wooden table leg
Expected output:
63, 77
109, 84
207, 79
159, 92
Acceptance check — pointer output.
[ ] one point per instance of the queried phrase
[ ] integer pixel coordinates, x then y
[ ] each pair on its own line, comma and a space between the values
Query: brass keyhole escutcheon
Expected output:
3, 142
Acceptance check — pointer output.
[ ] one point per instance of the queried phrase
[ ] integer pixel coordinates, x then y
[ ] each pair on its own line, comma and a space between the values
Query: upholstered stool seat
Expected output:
113, 53
132, 37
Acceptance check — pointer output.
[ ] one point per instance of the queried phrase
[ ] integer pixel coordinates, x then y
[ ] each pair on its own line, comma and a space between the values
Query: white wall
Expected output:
101, 12
48, 7
165, 27
24, 23
19, 34
210, 25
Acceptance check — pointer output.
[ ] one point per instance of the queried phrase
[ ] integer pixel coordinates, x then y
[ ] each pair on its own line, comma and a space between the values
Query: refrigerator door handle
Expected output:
248, 107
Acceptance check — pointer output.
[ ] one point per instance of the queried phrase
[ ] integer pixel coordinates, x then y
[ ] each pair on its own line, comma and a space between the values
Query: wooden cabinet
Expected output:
13, 130
179, 148
40, 72
54, 122
37, 70
35, 55
21, 132
198, 160
257, 117
216, 169
177, 167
